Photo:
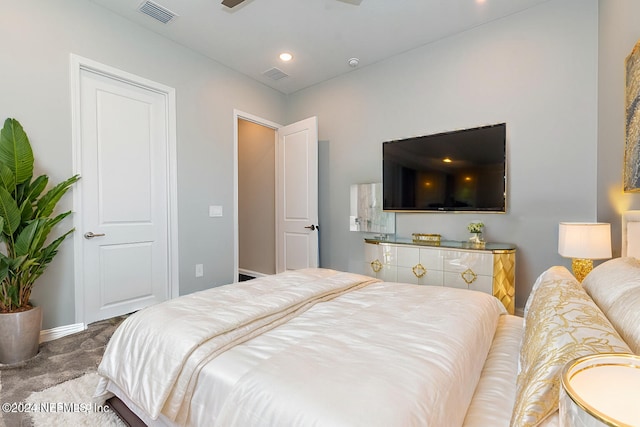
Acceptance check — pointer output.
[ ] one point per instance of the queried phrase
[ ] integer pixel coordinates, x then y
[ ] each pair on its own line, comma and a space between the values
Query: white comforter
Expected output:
387, 354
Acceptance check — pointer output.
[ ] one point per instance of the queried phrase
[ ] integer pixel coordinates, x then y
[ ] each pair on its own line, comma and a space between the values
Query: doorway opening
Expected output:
294, 224
256, 168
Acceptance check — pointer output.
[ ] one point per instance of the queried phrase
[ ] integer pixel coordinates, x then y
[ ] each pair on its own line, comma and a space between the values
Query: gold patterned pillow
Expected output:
562, 323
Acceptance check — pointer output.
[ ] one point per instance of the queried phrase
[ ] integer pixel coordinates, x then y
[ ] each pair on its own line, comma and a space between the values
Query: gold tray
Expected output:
431, 239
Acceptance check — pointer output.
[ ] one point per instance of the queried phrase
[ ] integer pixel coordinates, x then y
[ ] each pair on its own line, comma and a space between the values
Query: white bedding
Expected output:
338, 364
156, 354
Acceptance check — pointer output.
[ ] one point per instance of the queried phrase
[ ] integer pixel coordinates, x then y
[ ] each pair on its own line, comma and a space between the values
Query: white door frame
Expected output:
237, 114
78, 63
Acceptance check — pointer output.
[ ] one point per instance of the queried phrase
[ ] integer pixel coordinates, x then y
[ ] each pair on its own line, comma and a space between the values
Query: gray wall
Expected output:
619, 31
536, 71
37, 38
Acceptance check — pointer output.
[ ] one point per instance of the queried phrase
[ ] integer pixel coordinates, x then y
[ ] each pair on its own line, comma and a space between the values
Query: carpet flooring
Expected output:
57, 361
74, 407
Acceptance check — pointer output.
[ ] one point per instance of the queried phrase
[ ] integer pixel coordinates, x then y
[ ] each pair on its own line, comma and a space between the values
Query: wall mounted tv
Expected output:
463, 170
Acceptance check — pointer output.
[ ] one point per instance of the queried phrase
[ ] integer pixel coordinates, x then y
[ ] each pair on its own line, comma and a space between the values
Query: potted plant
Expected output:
475, 228
26, 219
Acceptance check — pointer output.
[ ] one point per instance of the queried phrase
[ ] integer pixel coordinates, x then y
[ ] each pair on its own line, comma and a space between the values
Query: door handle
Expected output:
91, 235
313, 227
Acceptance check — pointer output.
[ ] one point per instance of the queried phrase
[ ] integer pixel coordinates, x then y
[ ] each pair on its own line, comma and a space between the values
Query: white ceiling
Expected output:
322, 35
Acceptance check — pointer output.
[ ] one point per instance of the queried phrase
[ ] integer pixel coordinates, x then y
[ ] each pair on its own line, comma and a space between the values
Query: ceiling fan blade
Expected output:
231, 3
355, 2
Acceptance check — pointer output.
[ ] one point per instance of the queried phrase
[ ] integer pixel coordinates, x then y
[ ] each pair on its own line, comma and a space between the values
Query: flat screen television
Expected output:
463, 170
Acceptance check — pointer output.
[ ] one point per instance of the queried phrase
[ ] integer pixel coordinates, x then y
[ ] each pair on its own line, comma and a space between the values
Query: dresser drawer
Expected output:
420, 276
481, 263
467, 280
419, 266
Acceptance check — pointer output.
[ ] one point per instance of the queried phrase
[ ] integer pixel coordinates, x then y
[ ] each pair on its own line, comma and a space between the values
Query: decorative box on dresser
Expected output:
490, 269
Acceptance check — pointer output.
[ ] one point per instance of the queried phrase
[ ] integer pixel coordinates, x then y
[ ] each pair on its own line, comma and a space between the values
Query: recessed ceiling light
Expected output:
447, 160
286, 56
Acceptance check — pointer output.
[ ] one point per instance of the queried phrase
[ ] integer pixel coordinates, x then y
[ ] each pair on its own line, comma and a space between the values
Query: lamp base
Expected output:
581, 267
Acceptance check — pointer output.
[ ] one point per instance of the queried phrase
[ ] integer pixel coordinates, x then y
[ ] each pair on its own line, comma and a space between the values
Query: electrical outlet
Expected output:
199, 270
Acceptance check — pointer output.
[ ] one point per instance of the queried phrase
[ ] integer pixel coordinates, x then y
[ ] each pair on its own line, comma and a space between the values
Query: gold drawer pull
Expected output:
469, 276
376, 265
419, 270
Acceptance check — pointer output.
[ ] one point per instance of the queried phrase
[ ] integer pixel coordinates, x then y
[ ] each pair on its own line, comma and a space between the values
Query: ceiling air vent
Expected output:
157, 12
275, 74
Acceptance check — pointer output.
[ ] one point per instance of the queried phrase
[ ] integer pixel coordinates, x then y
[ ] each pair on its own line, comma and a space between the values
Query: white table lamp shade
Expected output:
588, 240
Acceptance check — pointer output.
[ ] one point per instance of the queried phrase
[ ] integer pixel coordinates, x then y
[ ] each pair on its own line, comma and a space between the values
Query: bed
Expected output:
328, 348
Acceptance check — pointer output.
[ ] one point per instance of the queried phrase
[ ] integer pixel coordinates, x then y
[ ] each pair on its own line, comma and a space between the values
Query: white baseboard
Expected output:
251, 273
61, 331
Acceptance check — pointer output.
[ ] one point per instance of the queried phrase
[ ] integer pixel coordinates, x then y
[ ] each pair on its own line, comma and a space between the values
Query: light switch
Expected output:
199, 270
215, 211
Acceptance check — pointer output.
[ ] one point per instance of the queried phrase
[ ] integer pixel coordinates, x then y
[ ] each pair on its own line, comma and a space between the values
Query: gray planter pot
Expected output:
20, 335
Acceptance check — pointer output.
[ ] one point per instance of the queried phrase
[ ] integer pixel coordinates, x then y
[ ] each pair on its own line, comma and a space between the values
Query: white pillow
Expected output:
633, 239
615, 288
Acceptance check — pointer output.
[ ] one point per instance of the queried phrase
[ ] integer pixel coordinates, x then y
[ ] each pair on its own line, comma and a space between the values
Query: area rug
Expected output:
71, 404
57, 362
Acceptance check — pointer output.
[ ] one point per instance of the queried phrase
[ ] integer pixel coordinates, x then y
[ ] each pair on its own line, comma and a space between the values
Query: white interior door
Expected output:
297, 196
124, 213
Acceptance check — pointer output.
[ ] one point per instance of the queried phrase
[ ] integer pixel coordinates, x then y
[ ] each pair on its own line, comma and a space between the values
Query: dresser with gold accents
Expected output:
454, 264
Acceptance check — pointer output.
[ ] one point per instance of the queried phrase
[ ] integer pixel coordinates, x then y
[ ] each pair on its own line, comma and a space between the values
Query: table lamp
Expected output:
584, 242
